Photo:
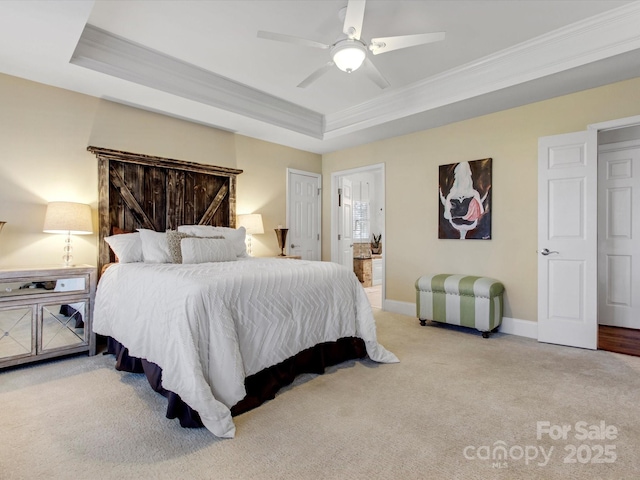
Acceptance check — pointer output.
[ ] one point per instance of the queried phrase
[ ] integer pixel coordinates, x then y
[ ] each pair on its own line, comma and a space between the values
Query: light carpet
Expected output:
457, 407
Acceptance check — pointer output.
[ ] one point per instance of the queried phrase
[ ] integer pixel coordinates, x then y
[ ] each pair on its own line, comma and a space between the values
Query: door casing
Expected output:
345, 221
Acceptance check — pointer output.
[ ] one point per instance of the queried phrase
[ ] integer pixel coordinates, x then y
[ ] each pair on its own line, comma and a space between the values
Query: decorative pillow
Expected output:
173, 240
127, 247
235, 235
203, 250
155, 248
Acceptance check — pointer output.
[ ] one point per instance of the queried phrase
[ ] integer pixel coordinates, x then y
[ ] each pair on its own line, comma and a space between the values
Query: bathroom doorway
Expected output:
357, 220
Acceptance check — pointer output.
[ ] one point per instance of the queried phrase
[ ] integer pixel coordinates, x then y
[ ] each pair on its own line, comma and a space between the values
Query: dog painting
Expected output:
465, 200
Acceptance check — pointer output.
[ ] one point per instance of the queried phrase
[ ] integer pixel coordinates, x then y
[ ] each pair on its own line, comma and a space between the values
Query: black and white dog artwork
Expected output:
465, 200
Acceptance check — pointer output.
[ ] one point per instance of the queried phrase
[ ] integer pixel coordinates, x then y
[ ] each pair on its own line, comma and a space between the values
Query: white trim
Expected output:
618, 146
602, 36
511, 326
521, 328
611, 33
403, 308
614, 124
119, 57
318, 177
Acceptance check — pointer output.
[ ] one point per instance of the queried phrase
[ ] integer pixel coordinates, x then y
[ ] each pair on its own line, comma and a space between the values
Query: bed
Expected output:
216, 337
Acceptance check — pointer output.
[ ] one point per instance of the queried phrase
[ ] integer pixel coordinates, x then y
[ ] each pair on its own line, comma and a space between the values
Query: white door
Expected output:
303, 214
345, 222
618, 234
567, 239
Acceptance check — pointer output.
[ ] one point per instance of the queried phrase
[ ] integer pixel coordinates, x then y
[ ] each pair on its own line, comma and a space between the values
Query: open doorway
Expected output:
618, 246
357, 226
586, 277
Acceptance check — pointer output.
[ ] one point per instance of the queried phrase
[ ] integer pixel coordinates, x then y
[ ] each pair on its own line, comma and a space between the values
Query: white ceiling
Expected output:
202, 61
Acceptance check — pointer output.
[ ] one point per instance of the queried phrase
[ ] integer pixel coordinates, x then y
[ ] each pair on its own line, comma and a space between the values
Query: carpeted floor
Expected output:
457, 407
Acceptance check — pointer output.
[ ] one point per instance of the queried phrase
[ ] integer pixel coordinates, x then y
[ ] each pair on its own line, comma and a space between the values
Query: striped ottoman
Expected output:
464, 300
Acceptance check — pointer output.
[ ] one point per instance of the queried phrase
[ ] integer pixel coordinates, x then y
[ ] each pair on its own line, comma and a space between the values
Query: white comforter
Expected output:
210, 325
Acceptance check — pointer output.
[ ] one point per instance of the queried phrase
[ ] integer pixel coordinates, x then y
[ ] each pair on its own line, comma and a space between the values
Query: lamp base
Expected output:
67, 258
249, 244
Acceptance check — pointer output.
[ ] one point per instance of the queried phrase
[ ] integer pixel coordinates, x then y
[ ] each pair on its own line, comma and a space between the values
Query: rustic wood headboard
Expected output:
142, 191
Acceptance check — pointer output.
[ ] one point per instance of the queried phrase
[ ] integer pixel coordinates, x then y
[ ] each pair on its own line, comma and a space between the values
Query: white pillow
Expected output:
203, 250
127, 247
235, 235
155, 248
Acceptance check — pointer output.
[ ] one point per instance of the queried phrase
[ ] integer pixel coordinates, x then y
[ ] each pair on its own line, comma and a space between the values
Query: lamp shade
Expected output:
252, 222
348, 55
68, 217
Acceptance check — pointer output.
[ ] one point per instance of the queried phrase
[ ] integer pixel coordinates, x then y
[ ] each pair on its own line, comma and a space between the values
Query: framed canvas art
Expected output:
465, 200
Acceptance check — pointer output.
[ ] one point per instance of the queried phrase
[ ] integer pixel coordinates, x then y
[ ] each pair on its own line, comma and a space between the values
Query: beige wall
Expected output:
510, 137
44, 133
262, 185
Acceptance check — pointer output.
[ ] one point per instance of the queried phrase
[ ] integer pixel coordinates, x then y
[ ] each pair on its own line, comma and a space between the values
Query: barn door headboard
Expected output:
142, 191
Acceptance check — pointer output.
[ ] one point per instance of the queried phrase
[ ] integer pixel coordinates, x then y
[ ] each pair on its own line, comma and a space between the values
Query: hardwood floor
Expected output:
620, 340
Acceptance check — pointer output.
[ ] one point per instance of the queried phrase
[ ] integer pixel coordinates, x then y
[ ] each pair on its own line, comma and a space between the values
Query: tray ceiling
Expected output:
202, 60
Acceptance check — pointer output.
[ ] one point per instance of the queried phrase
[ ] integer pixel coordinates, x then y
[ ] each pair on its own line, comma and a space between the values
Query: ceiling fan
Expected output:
349, 52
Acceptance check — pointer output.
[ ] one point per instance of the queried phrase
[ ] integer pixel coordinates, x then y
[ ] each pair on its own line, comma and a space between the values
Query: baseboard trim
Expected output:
521, 328
403, 308
511, 326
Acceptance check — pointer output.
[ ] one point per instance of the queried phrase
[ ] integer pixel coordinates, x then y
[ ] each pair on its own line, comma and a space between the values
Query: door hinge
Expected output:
339, 197
318, 236
319, 189
339, 237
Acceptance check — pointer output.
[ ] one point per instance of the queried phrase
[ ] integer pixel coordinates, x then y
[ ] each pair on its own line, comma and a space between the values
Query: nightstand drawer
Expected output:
43, 286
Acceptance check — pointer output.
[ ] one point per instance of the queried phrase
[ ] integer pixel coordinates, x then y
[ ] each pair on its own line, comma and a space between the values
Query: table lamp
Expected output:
68, 218
252, 222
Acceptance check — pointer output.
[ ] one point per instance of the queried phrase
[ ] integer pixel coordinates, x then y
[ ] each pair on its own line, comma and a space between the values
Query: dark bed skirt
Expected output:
260, 387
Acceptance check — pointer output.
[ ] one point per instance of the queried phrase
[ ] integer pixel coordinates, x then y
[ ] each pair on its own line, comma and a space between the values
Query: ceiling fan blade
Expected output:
353, 19
374, 74
279, 37
387, 44
316, 75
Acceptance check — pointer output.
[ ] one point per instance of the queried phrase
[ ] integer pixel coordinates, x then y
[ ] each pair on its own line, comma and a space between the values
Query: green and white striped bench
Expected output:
464, 300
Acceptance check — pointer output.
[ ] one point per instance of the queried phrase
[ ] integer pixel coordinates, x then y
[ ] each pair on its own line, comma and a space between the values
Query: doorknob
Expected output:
546, 251
294, 246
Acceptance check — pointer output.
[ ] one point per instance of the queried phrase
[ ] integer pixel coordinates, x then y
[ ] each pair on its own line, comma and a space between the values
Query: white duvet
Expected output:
210, 325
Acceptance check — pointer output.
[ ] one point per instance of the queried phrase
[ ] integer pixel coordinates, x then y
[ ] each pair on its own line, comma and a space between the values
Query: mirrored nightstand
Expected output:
45, 312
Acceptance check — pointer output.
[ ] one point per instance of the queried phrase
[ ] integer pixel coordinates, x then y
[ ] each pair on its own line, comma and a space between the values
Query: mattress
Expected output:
210, 325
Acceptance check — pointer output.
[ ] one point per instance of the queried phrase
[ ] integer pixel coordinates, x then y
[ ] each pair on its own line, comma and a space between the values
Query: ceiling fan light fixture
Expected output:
348, 55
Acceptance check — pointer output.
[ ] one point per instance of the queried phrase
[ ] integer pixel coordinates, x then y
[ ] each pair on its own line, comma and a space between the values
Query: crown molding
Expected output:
113, 55
612, 33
